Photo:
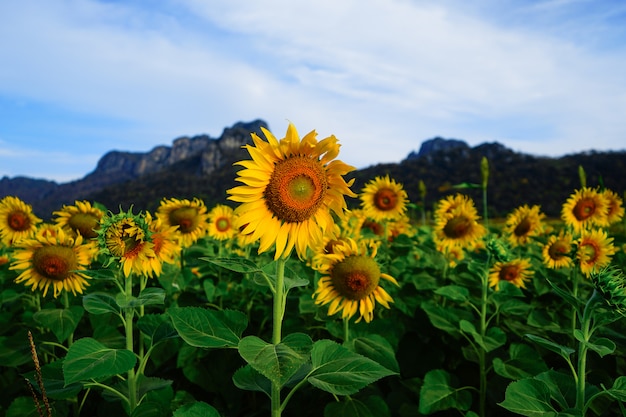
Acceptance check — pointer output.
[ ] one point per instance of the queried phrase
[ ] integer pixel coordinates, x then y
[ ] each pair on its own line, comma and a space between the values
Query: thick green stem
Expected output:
485, 211
129, 314
278, 315
585, 328
346, 329
574, 276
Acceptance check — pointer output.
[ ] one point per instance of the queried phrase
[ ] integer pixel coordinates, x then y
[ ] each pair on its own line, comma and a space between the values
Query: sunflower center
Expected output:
375, 227
509, 273
590, 252
355, 277
558, 250
523, 227
296, 189
19, 221
54, 262
385, 199
85, 224
123, 239
186, 218
457, 227
584, 209
222, 224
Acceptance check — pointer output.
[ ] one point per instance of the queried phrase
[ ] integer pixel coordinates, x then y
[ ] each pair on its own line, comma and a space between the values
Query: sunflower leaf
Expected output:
339, 371
276, 362
245, 266
100, 303
529, 397
250, 379
62, 322
437, 393
89, 359
200, 327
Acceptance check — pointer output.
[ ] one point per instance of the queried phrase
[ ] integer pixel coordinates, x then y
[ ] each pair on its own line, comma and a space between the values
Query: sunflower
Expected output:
166, 245
291, 189
523, 224
383, 199
81, 218
616, 208
350, 280
126, 237
558, 250
221, 222
53, 259
458, 226
517, 272
17, 220
450, 203
190, 216
584, 209
594, 251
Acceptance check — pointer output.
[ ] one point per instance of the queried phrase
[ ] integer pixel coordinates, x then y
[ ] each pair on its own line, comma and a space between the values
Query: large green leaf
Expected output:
276, 362
157, 327
378, 349
54, 383
197, 409
340, 371
243, 265
89, 359
371, 407
204, 328
250, 379
529, 397
523, 362
601, 345
454, 293
100, 303
437, 393
493, 339
564, 351
61, 321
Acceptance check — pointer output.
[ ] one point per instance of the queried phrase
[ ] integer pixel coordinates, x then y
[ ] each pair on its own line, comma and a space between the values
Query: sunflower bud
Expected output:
422, 189
499, 250
582, 175
610, 282
484, 171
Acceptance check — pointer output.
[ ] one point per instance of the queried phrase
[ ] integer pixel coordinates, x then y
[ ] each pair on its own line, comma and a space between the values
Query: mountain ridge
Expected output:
201, 166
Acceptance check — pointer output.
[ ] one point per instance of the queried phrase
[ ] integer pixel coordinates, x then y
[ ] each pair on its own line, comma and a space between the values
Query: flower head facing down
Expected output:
17, 220
53, 260
350, 280
523, 224
558, 250
383, 199
81, 218
584, 209
517, 272
126, 237
595, 249
615, 212
190, 216
290, 188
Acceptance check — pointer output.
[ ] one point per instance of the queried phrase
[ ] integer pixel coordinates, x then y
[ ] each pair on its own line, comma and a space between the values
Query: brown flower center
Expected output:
590, 252
584, 209
296, 189
19, 221
222, 224
375, 227
54, 262
186, 218
385, 199
523, 227
509, 273
457, 227
355, 277
85, 224
558, 250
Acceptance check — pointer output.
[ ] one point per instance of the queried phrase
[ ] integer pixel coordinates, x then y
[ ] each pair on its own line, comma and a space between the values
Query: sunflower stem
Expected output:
66, 304
129, 313
278, 315
481, 351
346, 329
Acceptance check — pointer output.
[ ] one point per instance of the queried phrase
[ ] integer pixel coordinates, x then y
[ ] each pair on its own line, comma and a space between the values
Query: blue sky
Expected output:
79, 78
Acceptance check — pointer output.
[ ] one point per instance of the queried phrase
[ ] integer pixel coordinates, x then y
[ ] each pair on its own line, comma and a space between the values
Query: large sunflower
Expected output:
221, 218
190, 216
291, 188
53, 259
557, 252
584, 209
383, 199
350, 280
616, 208
17, 220
166, 245
517, 272
458, 226
595, 250
125, 237
81, 218
450, 203
523, 224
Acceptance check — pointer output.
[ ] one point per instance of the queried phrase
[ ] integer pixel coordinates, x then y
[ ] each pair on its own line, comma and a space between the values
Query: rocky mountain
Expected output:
202, 167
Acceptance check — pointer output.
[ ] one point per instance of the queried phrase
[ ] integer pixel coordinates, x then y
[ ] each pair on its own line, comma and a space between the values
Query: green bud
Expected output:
582, 175
610, 282
484, 171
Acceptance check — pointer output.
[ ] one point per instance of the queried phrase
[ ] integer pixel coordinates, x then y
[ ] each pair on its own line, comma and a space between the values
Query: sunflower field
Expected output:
288, 302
